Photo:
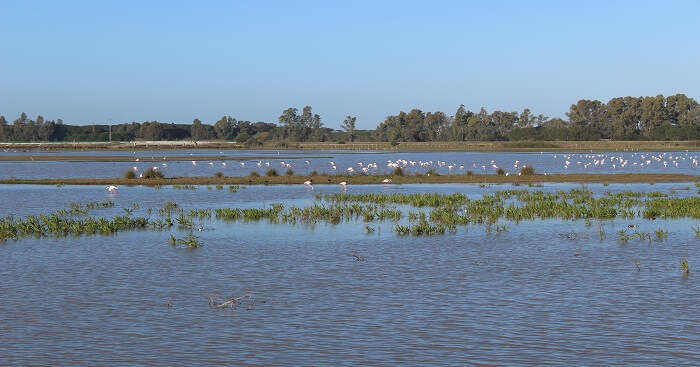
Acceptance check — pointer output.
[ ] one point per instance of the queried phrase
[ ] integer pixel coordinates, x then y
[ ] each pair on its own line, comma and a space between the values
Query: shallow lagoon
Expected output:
541, 292
319, 160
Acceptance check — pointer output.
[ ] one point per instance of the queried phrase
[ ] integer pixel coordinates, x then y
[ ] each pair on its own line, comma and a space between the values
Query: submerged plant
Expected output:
189, 241
685, 267
661, 234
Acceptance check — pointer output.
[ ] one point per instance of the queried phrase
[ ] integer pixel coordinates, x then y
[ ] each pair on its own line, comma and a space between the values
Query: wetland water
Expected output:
320, 161
540, 292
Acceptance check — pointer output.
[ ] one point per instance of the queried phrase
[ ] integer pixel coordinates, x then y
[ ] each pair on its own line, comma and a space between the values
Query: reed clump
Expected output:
527, 170
153, 173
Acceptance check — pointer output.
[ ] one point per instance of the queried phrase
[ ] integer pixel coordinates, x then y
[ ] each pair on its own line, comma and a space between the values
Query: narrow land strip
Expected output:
457, 146
126, 158
365, 179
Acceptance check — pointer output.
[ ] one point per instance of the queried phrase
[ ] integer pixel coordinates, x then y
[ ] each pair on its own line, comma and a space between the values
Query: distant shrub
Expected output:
254, 174
289, 172
219, 175
271, 172
152, 173
313, 173
398, 171
527, 170
431, 172
340, 142
130, 174
470, 173
395, 143
252, 142
242, 138
501, 172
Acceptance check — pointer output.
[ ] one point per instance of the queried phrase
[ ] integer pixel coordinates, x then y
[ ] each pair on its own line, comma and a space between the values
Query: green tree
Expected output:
4, 129
349, 126
226, 128
199, 131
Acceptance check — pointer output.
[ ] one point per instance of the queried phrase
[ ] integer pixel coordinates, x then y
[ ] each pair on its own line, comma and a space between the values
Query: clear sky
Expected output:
172, 61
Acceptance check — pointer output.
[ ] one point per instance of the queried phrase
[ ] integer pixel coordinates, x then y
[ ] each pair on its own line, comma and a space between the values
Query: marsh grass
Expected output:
436, 214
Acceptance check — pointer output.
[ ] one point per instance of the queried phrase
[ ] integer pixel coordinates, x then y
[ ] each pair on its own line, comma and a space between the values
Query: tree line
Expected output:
674, 117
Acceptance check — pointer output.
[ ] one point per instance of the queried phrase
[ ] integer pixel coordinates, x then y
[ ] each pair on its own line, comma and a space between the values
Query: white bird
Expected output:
386, 180
344, 185
111, 188
194, 163
308, 184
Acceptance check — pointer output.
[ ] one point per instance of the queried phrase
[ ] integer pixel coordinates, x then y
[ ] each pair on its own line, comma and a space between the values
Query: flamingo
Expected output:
308, 184
111, 188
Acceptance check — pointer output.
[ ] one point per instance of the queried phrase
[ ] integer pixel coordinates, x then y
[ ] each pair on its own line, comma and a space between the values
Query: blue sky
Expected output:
89, 61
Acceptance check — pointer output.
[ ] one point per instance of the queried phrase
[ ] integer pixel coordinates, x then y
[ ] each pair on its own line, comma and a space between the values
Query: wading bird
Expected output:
308, 184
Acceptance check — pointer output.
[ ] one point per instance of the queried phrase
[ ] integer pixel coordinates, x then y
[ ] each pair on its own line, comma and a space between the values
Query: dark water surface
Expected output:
323, 161
545, 292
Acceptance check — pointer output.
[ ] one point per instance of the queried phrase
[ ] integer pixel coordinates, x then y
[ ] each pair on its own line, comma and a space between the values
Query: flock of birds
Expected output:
581, 161
616, 161
609, 161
